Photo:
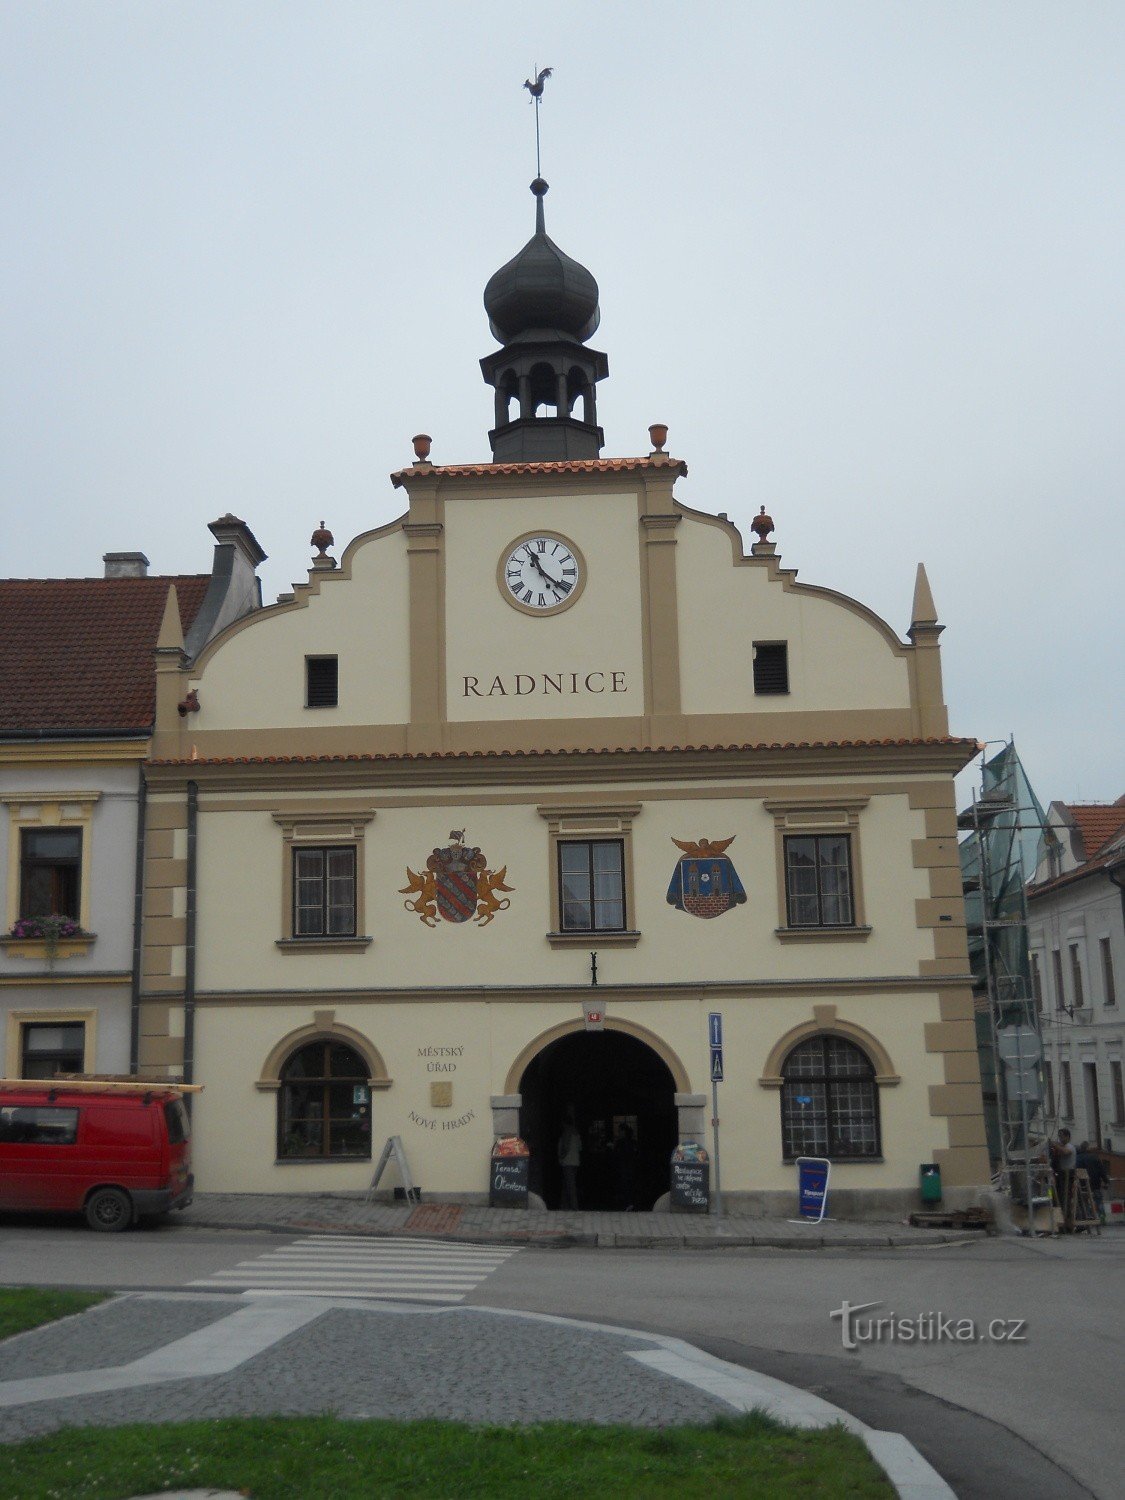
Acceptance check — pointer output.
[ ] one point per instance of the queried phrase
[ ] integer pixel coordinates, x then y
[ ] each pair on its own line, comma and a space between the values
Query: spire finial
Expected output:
536, 91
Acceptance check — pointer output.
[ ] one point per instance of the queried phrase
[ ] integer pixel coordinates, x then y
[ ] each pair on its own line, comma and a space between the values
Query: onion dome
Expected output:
542, 289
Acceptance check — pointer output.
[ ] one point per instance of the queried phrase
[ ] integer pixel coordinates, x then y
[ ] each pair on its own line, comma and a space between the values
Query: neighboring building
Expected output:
475, 831
1076, 925
77, 701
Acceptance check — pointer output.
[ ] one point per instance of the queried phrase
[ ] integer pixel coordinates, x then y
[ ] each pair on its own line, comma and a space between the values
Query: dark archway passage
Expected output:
613, 1081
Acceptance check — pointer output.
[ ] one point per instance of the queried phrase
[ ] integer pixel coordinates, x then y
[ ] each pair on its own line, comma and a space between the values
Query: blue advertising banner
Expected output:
812, 1187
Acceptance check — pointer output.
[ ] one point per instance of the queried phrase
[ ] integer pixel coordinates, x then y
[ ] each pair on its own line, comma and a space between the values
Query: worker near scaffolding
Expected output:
1064, 1159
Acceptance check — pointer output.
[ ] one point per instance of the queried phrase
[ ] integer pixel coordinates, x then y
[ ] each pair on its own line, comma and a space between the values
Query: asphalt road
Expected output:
1037, 1415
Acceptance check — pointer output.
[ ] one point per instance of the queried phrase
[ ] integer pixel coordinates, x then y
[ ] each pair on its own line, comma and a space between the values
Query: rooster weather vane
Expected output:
535, 89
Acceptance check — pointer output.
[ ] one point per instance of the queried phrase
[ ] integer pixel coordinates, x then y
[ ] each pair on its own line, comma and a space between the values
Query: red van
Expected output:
113, 1151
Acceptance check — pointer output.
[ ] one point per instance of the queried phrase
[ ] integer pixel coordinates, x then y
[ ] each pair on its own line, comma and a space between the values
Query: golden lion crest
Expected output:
456, 885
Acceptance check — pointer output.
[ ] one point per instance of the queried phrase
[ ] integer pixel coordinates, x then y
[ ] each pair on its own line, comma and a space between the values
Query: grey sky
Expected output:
864, 259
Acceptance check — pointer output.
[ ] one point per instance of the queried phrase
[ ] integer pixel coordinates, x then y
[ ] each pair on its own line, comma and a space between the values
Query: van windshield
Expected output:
179, 1126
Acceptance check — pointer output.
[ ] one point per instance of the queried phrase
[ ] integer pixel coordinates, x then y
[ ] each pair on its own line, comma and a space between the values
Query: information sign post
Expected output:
715, 1037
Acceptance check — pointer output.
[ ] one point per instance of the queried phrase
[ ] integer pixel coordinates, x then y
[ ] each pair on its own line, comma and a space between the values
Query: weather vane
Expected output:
536, 91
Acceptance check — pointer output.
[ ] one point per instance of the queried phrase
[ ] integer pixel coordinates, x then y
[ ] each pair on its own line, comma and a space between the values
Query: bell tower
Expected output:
542, 307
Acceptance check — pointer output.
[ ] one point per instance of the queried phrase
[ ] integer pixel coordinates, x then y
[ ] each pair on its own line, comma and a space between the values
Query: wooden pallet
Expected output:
956, 1218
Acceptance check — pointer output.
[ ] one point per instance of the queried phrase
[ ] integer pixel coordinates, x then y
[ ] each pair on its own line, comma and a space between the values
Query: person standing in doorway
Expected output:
570, 1158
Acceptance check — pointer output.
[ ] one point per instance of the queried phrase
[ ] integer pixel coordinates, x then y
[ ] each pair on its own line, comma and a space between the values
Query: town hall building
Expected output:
469, 835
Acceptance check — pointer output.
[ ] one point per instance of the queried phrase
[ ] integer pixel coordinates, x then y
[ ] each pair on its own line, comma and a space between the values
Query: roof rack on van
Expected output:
90, 1085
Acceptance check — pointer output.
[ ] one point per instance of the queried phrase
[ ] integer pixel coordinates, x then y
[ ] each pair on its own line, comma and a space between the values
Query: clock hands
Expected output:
541, 570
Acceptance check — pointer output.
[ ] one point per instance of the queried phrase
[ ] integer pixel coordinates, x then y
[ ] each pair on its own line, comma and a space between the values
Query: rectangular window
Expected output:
1060, 997
324, 890
771, 666
1066, 1103
322, 681
1107, 972
592, 886
1076, 975
50, 872
1036, 982
38, 1125
49, 1049
1049, 1081
818, 880
1118, 1093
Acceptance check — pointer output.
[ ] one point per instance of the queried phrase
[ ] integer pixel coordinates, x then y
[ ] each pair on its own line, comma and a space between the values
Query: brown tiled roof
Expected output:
1102, 827
375, 756
550, 466
76, 654
1097, 822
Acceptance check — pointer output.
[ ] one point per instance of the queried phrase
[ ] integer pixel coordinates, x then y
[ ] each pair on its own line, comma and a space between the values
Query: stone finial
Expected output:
322, 539
658, 436
422, 442
171, 636
924, 610
762, 525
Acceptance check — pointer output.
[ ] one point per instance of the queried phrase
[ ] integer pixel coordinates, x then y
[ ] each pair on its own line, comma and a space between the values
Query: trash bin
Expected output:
929, 1182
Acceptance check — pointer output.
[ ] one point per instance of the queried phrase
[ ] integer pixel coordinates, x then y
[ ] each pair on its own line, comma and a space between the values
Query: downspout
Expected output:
189, 938
138, 925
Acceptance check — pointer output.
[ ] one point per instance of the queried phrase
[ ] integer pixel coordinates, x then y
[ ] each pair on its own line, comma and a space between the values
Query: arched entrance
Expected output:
620, 1090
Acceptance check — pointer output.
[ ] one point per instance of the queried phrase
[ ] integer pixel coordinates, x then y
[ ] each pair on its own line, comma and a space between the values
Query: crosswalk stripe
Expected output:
399, 1269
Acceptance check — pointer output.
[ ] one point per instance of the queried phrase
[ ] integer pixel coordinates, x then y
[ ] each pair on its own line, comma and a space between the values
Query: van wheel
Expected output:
109, 1209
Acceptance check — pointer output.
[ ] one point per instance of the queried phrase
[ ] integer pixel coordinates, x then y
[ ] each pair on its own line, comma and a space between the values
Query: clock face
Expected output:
541, 573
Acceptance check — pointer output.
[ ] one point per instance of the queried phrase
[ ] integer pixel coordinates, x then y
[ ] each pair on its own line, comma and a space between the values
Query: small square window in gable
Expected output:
322, 681
771, 667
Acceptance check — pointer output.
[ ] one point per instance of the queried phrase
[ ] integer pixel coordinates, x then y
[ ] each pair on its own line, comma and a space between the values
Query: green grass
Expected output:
23, 1307
325, 1457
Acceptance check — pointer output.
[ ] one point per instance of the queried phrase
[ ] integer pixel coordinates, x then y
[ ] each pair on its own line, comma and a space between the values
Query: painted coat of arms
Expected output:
705, 882
456, 885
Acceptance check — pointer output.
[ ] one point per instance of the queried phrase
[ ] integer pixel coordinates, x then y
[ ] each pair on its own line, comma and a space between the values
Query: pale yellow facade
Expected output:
628, 717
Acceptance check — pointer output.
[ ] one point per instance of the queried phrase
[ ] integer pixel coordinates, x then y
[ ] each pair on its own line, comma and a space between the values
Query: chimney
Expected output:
125, 565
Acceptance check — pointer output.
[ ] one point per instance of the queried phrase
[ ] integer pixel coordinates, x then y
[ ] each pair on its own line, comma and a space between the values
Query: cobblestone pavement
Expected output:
350, 1213
351, 1360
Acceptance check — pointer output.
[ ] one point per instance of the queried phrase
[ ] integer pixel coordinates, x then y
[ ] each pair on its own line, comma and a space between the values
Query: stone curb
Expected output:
565, 1239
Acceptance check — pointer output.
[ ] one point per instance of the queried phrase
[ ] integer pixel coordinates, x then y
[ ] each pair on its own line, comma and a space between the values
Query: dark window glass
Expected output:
818, 881
592, 886
36, 1125
50, 860
176, 1118
829, 1101
324, 892
324, 1104
50, 1049
771, 666
1107, 972
322, 681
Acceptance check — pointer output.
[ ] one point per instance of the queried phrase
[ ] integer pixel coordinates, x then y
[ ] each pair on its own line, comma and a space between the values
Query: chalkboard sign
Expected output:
690, 1190
507, 1186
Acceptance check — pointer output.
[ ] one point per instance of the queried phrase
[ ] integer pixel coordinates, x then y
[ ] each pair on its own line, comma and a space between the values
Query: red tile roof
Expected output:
970, 747
551, 466
1102, 828
1097, 822
76, 654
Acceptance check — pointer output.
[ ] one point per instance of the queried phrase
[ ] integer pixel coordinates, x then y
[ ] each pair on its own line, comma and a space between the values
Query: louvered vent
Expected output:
771, 666
322, 681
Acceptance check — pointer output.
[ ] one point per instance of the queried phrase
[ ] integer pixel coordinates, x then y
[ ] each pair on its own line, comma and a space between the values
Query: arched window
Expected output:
324, 1103
829, 1101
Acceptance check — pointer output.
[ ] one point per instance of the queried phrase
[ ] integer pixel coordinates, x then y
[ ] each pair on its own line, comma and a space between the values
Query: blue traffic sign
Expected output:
716, 1065
715, 1028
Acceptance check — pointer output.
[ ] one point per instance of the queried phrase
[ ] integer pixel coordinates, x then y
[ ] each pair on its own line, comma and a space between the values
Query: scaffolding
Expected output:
1004, 826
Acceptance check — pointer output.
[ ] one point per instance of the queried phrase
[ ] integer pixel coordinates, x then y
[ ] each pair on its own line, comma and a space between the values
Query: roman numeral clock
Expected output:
541, 573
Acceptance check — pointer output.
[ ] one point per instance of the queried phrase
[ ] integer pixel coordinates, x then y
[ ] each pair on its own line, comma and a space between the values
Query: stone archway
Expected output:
623, 1096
